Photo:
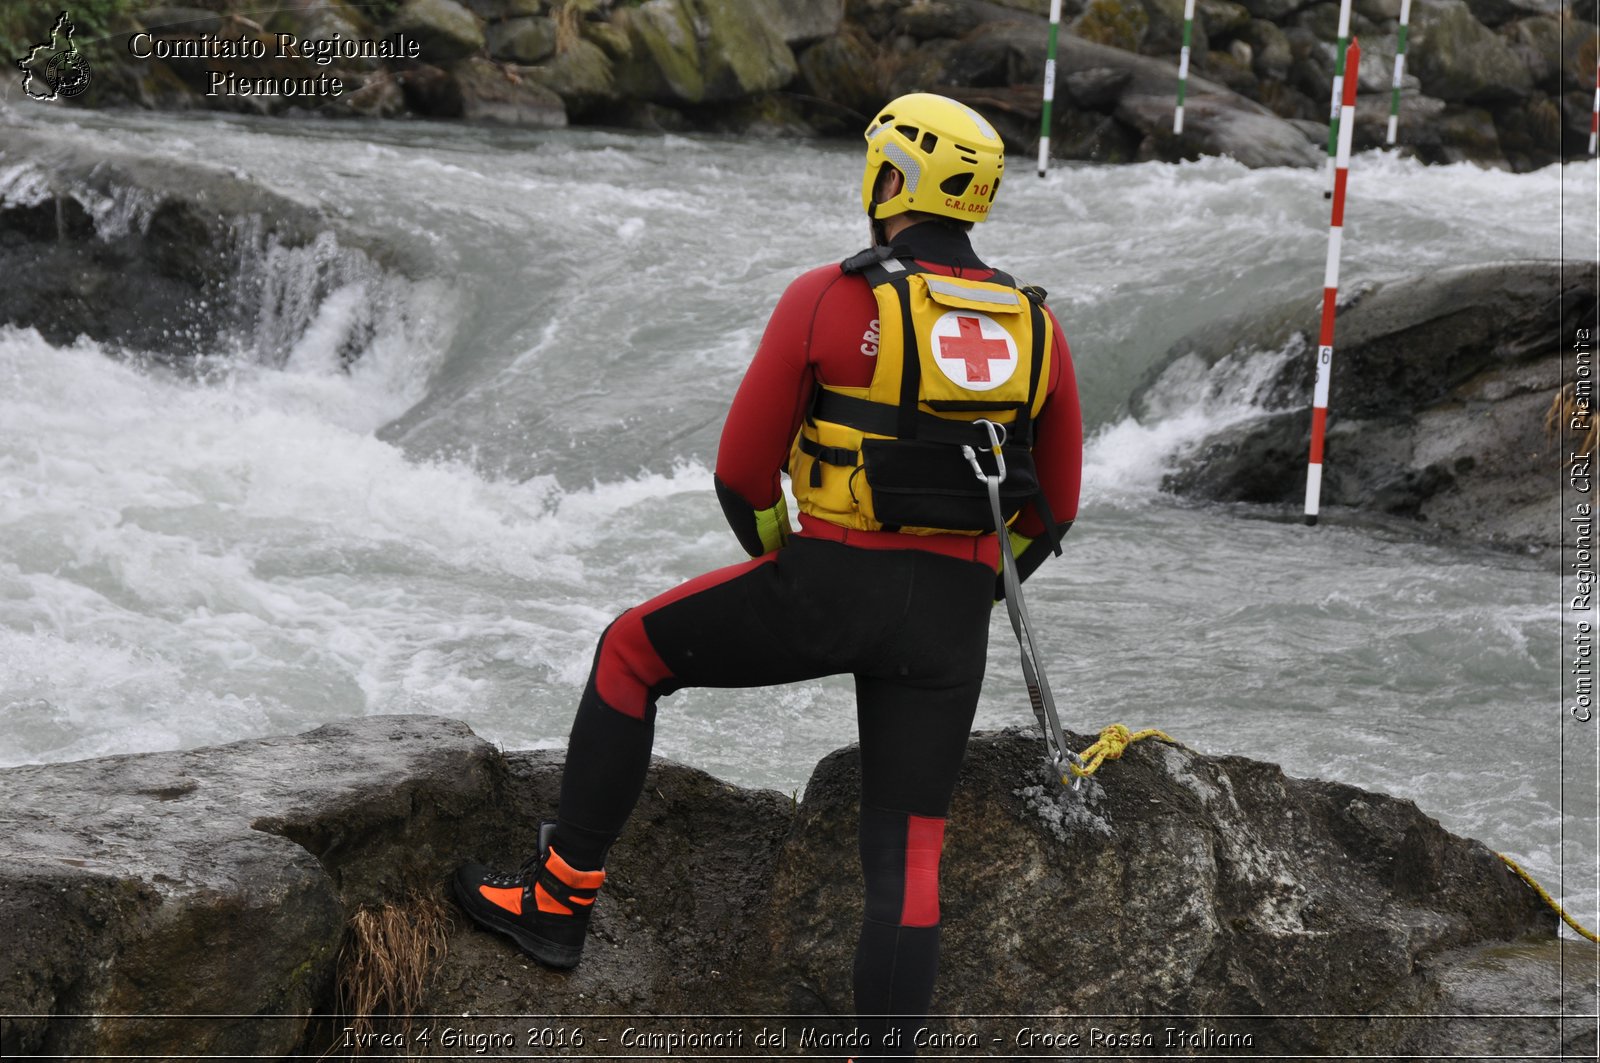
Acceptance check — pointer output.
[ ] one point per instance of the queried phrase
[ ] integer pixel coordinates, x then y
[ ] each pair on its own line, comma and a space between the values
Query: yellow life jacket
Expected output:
951, 351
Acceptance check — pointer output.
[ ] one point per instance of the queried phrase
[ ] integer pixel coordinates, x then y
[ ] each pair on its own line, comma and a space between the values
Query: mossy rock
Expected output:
525, 40
704, 51
844, 70
665, 64
581, 75
1114, 23
443, 29
1460, 61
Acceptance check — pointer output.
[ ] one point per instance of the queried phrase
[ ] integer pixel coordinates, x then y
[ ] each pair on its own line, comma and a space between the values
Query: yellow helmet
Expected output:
949, 154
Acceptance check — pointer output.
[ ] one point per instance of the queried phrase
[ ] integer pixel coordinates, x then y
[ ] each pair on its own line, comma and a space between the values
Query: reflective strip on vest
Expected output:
1012, 298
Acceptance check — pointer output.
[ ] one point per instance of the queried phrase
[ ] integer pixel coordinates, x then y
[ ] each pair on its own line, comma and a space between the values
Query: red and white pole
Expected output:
1594, 119
1330, 285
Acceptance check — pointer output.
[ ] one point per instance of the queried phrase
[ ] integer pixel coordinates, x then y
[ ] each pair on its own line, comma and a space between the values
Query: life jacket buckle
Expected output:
997, 438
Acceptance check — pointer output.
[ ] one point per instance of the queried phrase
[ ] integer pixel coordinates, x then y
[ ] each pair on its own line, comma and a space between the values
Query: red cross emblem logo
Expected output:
973, 350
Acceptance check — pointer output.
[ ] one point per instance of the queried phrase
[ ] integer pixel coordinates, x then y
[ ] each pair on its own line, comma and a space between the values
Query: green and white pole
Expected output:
1338, 94
1399, 69
1049, 87
1183, 65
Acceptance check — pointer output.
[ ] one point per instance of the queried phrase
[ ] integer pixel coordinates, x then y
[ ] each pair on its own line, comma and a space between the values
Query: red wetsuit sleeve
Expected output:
1057, 456
768, 407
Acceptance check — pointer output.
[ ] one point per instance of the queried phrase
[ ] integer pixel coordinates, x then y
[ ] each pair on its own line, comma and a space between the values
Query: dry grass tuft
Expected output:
1569, 413
387, 956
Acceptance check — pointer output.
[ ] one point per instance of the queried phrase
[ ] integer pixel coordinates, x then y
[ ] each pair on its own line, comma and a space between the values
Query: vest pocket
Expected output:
918, 484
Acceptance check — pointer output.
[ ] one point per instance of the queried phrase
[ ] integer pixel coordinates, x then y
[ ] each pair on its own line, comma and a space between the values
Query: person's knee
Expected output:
900, 863
627, 669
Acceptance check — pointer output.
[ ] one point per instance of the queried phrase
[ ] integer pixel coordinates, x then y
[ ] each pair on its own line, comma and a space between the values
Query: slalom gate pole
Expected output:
1594, 119
1338, 94
1183, 65
1049, 87
1399, 70
1330, 293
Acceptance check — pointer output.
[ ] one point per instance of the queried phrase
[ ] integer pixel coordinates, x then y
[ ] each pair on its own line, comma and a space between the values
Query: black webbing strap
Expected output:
882, 419
832, 455
1036, 370
568, 895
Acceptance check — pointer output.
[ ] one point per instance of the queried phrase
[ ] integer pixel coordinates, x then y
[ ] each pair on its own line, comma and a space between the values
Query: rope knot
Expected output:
1112, 742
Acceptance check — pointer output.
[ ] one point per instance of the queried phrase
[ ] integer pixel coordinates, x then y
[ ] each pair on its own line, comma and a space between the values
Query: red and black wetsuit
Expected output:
907, 615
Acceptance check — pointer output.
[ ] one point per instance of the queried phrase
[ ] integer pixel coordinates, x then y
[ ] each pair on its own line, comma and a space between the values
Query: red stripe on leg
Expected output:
629, 664
924, 840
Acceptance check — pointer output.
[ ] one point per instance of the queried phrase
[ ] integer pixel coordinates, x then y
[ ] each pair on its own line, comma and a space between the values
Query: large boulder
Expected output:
803, 21
215, 881
207, 883
703, 51
207, 246
1457, 59
1173, 883
443, 29
495, 94
1136, 91
1441, 384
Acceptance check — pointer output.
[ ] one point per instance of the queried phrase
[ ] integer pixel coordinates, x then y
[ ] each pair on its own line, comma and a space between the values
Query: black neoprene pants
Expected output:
912, 627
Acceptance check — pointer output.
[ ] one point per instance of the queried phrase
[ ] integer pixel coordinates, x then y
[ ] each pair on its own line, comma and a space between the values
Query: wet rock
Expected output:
1221, 19
1213, 126
430, 91
1494, 13
225, 265
1440, 387
1270, 49
1165, 33
1118, 24
211, 881
493, 94
1222, 886
1457, 59
843, 70
1272, 10
1468, 134
444, 29
521, 40
933, 19
581, 75
212, 878
496, 10
1417, 131
803, 21
1529, 133
704, 51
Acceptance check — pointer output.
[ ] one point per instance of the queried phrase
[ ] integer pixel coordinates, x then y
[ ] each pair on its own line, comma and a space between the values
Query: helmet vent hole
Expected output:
955, 184
929, 142
963, 147
910, 132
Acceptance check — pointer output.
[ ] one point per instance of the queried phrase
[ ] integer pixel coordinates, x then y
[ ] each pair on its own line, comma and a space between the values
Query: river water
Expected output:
524, 449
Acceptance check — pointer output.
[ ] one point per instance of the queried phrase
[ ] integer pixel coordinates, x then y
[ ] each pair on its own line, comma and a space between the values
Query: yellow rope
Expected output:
1113, 740
1551, 901
1116, 738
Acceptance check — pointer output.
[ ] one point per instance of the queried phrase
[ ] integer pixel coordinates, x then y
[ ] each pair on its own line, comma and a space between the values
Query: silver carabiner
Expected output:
997, 439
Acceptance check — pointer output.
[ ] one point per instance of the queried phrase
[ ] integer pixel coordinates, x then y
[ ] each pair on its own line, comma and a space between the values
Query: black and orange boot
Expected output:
544, 906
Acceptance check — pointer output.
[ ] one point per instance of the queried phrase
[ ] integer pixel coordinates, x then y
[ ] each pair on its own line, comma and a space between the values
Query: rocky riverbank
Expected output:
1439, 413
279, 878
1499, 82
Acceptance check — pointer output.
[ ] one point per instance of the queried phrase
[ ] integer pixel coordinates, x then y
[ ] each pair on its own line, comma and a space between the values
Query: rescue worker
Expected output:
866, 384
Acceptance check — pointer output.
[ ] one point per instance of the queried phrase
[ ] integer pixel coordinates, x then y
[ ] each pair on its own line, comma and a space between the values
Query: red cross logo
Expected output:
973, 351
